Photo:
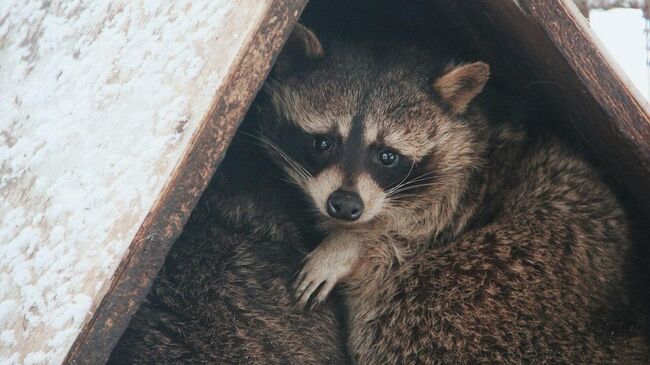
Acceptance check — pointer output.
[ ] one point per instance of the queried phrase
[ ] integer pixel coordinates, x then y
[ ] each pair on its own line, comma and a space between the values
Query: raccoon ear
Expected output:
460, 85
301, 48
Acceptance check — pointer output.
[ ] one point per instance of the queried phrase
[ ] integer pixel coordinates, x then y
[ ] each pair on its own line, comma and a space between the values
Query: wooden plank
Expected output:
114, 117
546, 48
613, 118
166, 219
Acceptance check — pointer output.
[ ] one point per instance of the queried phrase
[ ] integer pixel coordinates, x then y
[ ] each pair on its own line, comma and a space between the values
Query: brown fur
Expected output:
223, 295
537, 277
509, 248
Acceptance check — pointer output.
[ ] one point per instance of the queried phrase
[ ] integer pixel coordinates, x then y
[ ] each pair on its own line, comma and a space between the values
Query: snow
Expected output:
622, 33
98, 103
7, 337
606, 4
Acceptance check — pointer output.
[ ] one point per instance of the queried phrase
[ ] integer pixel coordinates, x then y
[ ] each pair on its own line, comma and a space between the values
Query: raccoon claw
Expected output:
314, 295
305, 292
308, 286
323, 269
323, 293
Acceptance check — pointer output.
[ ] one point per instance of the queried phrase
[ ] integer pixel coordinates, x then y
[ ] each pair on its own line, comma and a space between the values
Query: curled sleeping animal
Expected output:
459, 237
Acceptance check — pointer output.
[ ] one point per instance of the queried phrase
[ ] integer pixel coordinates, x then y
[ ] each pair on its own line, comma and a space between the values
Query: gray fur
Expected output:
515, 250
223, 295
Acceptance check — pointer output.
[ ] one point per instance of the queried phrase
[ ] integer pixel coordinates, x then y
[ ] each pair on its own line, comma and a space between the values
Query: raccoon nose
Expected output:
345, 205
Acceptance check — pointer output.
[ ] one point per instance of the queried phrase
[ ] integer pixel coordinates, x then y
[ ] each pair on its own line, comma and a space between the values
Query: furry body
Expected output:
536, 275
486, 242
223, 295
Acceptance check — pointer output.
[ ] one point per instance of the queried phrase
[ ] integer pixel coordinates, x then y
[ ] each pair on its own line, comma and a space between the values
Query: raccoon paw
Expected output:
315, 281
324, 268
331, 261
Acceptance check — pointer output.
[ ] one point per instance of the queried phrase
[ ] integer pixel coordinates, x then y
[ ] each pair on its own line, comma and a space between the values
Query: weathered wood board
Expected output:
546, 48
113, 116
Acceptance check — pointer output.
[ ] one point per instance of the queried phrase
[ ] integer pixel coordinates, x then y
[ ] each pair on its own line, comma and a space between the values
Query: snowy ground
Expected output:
621, 31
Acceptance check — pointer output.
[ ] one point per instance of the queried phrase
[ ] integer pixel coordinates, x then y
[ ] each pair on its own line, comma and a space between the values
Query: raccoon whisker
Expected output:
297, 166
290, 181
295, 176
414, 186
418, 181
255, 140
438, 173
294, 166
401, 183
423, 177
428, 174
302, 172
254, 136
411, 187
299, 169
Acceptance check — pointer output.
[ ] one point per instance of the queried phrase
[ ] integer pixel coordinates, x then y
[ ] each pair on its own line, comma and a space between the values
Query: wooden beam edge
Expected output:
164, 223
631, 125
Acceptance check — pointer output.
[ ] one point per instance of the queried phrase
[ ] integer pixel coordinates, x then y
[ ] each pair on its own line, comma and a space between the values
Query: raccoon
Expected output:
460, 236
223, 295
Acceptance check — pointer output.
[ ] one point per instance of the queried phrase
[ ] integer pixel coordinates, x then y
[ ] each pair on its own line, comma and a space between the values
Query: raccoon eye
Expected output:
388, 157
322, 144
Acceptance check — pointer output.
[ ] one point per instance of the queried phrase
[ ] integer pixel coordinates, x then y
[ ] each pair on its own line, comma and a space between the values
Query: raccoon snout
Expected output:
345, 205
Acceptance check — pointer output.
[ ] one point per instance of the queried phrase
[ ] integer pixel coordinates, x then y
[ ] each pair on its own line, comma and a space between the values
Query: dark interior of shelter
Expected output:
476, 33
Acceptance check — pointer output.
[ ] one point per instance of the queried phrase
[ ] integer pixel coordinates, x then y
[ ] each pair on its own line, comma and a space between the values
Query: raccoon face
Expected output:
365, 136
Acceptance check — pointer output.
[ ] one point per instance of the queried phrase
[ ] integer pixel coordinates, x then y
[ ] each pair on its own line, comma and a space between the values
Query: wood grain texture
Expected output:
165, 221
622, 138
100, 101
545, 48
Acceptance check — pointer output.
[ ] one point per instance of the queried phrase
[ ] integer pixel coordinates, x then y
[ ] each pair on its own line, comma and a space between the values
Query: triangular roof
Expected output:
540, 42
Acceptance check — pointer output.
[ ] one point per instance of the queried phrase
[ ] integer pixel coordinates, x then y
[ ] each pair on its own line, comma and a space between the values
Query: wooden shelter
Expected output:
102, 158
